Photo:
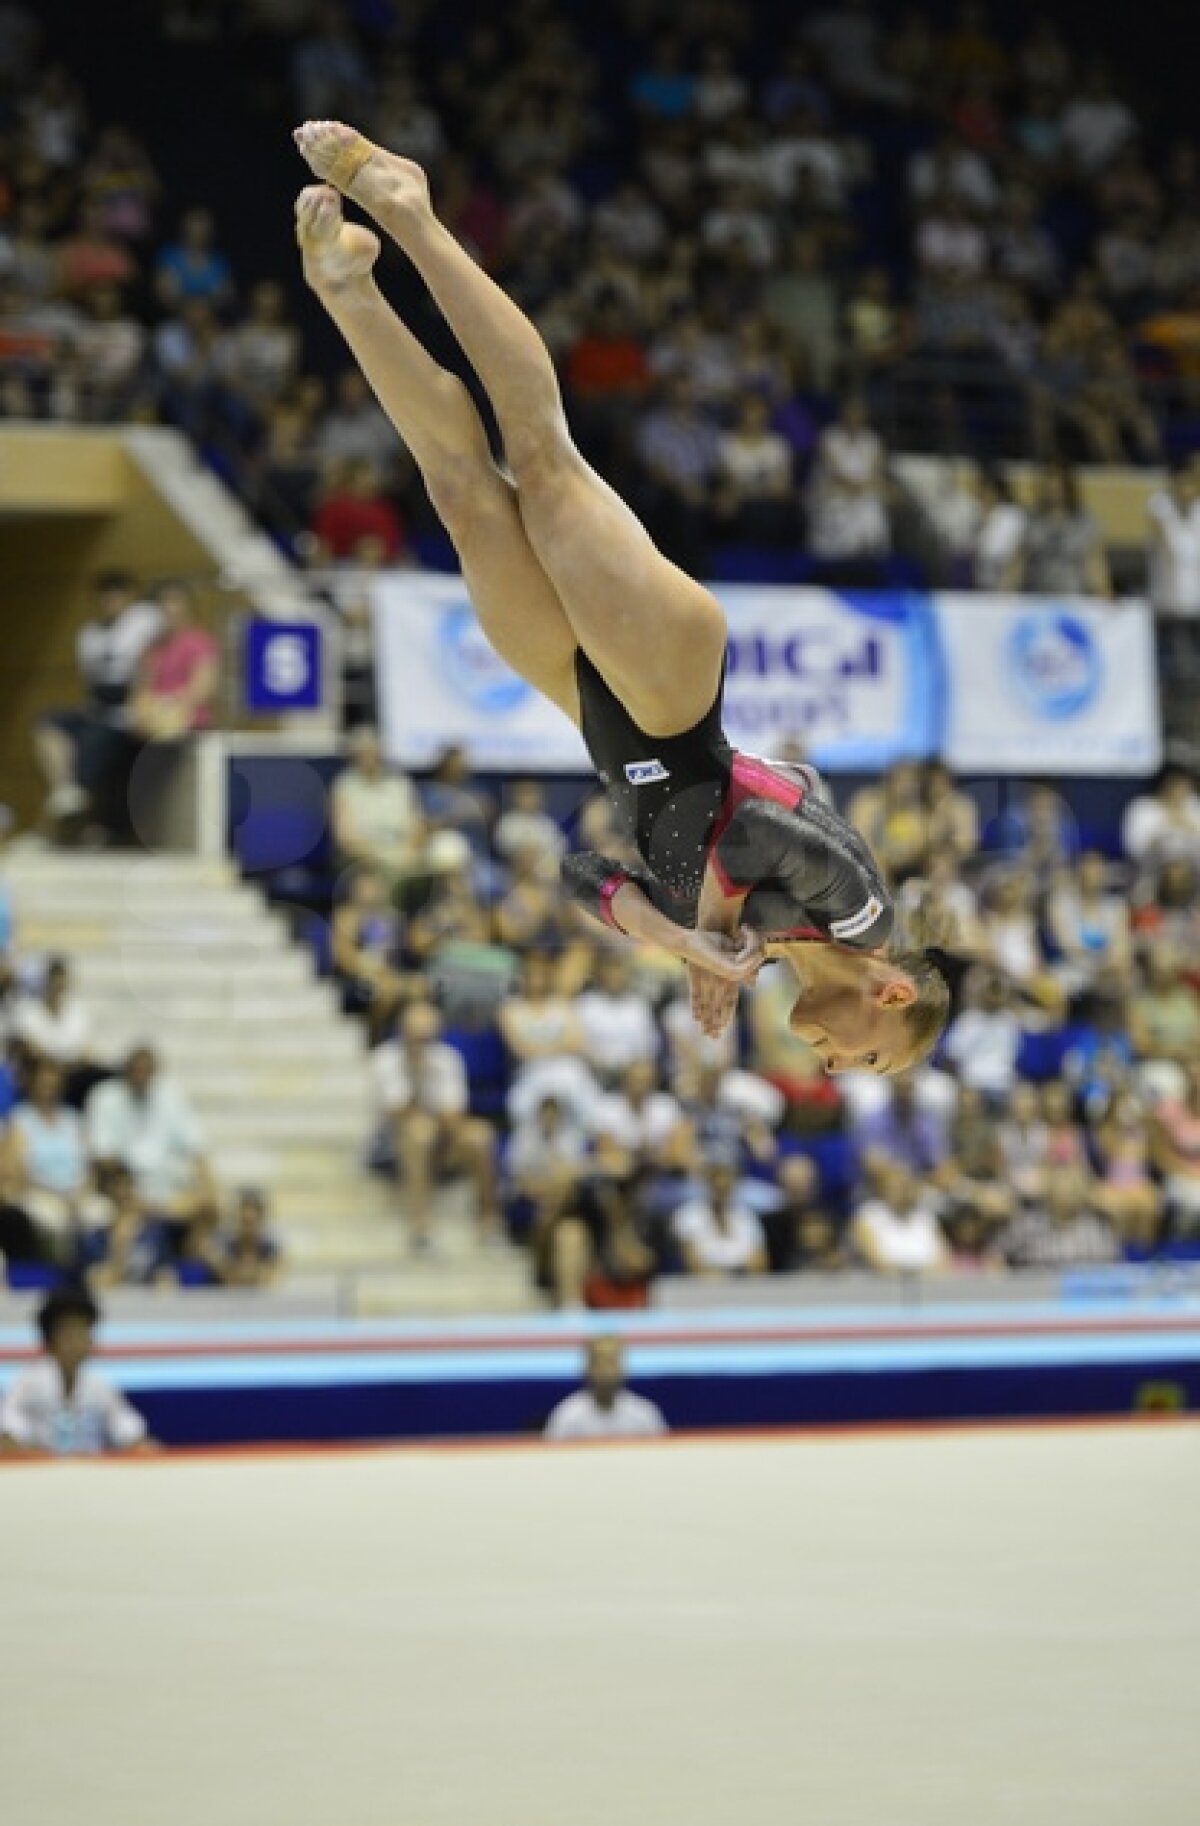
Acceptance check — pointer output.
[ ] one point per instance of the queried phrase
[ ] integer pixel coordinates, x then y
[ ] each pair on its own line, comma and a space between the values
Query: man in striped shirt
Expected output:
1064, 1231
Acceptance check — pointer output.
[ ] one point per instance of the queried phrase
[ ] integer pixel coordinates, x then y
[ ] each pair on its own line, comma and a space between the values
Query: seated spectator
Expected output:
125, 1246
328, 73
678, 450
977, 1195
44, 1169
91, 259
545, 1158
533, 910
375, 812
59, 1406
366, 948
1168, 909
427, 1130
898, 1230
525, 824
1163, 825
1164, 1016
252, 1253
1089, 925
142, 1121
605, 1408
802, 1236
54, 1024
540, 1028
1096, 124
951, 814
452, 914
262, 352
1066, 1229
453, 802
1126, 1190
893, 817
175, 690
1012, 939
849, 523
999, 537
800, 302
638, 1114
354, 507
110, 349
192, 267
1063, 553
983, 1041
903, 1127
1024, 1143
595, 1252
1066, 1145
718, 1234
1040, 831
616, 1025
73, 746
878, 330
356, 429
1175, 1150
754, 484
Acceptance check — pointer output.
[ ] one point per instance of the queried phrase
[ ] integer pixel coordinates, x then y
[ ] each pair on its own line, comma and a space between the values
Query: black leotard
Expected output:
691, 799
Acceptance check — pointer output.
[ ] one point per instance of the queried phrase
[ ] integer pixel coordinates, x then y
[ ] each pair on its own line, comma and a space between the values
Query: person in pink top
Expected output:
177, 682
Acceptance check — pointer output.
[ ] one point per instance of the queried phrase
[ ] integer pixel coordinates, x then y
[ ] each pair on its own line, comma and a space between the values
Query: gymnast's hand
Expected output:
718, 965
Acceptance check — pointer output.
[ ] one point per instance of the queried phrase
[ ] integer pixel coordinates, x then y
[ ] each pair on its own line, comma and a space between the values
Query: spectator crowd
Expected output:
762, 265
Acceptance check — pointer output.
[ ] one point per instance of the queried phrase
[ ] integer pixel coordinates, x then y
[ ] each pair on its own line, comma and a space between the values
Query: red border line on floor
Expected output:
845, 1431
1067, 1327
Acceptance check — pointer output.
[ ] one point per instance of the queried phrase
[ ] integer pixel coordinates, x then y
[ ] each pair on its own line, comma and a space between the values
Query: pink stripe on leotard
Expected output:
611, 887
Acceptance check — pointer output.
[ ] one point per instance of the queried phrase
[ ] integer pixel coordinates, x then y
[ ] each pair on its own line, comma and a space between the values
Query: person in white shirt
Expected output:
1163, 825
899, 1232
605, 1408
109, 649
142, 1121
423, 1100
1173, 513
376, 813
615, 1022
999, 534
984, 1040
527, 825
53, 1024
638, 1115
59, 1406
719, 1234
848, 490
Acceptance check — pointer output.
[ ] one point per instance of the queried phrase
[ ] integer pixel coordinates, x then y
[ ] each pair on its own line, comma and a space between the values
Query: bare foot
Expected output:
394, 190
335, 253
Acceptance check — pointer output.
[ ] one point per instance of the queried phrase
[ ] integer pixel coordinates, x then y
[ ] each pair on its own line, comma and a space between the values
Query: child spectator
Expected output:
60, 1406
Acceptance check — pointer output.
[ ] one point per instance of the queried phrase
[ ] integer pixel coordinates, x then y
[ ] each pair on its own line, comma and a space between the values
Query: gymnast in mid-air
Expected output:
743, 860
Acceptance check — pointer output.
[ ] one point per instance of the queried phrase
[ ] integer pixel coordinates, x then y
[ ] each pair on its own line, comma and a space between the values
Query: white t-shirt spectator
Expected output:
580, 1416
62, 1034
1152, 834
35, 1411
618, 1030
156, 1136
383, 813
725, 1249
1094, 128
964, 174
1174, 554
948, 247
645, 1127
908, 1244
531, 1152
437, 1084
849, 513
998, 540
984, 1044
109, 652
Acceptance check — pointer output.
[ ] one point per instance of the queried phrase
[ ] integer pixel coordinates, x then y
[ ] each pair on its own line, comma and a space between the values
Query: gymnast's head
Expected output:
872, 1011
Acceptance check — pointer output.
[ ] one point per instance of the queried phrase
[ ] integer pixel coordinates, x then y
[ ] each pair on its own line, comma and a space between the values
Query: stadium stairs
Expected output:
178, 952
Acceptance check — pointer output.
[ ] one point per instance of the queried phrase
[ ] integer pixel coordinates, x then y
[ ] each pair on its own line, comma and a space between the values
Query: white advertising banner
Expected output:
998, 684
1057, 687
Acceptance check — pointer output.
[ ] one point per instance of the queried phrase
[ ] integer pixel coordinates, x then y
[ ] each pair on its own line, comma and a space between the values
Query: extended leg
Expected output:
656, 635
515, 601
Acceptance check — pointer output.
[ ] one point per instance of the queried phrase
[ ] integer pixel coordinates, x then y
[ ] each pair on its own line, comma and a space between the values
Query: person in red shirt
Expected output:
177, 680
354, 508
90, 258
608, 362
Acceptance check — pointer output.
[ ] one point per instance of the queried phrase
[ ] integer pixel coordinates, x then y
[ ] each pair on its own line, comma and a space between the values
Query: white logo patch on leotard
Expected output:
857, 923
645, 773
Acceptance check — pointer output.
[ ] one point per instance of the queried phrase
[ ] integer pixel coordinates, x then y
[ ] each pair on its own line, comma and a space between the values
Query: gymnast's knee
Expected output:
539, 452
463, 489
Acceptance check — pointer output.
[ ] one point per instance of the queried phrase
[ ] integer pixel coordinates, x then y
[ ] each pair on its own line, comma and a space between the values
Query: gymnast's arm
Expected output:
811, 856
617, 897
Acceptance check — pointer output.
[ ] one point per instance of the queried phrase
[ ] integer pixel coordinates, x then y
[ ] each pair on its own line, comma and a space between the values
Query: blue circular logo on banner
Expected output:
473, 668
1054, 663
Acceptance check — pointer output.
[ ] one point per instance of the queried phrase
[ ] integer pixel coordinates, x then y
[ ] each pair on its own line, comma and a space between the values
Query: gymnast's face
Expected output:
859, 1029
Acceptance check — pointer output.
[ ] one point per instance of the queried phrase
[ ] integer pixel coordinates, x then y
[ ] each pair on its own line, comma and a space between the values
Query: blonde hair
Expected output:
926, 1017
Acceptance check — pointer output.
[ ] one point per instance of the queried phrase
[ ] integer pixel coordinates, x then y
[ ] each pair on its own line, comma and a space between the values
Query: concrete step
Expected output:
316, 1044
318, 1121
41, 867
128, 898
322, 1167
420, 1295
228, 972
337, 1086
129, 1008
325, 1210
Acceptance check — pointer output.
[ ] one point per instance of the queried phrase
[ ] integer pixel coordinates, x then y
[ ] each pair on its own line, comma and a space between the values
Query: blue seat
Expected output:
485, 1057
